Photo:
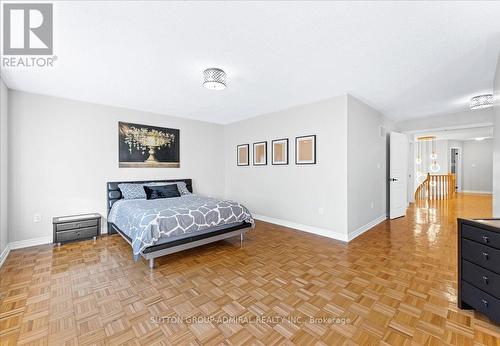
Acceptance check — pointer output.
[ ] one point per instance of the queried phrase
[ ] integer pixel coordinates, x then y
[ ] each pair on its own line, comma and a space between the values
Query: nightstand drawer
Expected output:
481, 301
76, 234
76, 224
484, 279
481, 236
485, 256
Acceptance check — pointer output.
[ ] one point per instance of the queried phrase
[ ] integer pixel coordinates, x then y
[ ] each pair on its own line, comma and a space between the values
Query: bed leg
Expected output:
241, 240
151, 263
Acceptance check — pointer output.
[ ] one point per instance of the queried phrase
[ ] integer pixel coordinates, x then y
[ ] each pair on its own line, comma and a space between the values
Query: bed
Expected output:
159, 227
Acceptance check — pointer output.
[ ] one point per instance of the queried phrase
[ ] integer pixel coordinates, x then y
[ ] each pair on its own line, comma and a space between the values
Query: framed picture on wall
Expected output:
279, 151
243, 154
147, 146
260, 154
305, 150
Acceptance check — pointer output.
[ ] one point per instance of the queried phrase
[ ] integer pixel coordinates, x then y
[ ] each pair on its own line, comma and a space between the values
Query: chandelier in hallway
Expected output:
434, 167
426, 158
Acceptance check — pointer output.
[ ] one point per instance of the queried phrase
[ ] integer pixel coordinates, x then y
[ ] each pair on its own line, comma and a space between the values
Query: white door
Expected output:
398, 174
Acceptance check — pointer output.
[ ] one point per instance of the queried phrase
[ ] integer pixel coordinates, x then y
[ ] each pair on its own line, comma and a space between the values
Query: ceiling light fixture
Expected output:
481, 101
214, 79
480, 138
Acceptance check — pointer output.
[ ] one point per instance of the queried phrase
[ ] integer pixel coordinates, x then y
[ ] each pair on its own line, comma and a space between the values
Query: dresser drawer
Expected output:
484, 279
76, 224
485, 256
76, 234
481, 301
481, 236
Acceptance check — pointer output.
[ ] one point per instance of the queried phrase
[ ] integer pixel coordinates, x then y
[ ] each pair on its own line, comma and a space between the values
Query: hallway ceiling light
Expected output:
480, 138
214, 79
434, 167
481, 101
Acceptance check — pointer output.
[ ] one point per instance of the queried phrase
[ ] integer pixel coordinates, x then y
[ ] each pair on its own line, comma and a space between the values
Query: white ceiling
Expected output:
406, 59
460, 134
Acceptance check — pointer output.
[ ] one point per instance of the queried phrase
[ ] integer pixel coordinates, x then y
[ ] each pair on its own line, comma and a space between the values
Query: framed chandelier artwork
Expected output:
147, 146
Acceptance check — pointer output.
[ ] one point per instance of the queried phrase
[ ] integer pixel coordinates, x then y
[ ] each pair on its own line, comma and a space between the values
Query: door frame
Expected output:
459, 166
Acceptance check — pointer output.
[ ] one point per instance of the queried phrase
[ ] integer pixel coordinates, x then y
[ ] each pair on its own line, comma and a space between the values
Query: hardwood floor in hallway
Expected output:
395, 284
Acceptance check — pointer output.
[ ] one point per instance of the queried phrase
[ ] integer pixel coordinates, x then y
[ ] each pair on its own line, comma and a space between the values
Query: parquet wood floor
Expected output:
395, 284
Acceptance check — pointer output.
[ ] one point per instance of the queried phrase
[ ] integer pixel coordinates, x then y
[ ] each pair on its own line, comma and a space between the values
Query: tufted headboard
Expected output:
114, 194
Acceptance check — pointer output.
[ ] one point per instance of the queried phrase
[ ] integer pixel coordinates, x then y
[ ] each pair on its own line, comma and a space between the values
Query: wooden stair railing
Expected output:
437, 187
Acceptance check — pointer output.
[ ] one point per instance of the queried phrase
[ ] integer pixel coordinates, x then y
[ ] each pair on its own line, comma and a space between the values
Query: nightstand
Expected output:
479, 266
76, 227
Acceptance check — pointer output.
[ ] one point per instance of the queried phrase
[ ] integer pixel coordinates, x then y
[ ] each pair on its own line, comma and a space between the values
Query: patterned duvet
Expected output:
146, 221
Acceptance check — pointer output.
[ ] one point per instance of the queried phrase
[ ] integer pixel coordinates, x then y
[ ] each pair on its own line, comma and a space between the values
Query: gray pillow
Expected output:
183, 190
132, 191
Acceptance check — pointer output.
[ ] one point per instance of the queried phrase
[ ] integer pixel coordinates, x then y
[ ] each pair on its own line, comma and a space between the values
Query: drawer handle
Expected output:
485, 279
485, 302
486, 239
486, 256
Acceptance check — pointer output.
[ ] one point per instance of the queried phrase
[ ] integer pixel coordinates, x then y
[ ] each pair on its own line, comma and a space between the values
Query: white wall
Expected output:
496, 160
477, 166
366, 164
462, 119
442, 158
63, 152
295, 193
3, 166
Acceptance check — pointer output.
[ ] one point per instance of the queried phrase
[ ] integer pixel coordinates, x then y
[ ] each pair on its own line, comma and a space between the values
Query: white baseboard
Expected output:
474, 191
22, 244
30, 242
367, 227
4, 254
306, 228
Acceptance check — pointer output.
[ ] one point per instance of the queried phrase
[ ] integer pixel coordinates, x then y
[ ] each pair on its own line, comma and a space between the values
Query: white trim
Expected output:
4, 254
30, 242
474, 191
306, 228
367, 227
22, 244
456, 127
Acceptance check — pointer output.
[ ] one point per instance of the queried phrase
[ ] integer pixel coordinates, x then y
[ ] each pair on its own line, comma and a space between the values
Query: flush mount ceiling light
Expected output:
214, 79
481, 101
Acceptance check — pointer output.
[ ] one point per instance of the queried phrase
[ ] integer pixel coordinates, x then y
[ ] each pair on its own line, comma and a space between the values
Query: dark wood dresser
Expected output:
479, 266
76, 227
